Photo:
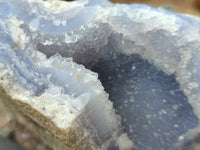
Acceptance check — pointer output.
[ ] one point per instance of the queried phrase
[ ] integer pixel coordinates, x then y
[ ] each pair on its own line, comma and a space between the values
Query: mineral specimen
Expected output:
147, 60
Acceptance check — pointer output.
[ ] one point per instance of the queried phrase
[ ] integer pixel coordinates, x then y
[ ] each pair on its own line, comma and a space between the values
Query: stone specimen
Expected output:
147, 60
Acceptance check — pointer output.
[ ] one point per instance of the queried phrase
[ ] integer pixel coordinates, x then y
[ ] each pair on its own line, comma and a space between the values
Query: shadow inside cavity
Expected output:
154, 111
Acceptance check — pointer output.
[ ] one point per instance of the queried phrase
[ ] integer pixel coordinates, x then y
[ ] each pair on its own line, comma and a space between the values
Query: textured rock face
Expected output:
146, 59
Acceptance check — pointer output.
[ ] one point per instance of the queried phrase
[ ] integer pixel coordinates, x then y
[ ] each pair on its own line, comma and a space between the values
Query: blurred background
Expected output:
182, 6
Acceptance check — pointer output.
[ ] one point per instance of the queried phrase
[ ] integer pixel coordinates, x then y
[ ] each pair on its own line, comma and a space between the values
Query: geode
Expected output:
90, 74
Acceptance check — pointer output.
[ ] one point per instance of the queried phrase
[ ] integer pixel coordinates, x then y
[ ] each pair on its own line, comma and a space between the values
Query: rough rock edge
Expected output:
42, 128
18, 132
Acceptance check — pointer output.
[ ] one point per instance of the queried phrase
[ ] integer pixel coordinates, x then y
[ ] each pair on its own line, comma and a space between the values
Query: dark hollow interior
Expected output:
154, 110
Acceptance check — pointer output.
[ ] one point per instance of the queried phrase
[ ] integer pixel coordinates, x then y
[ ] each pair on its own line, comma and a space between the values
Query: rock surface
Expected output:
147, 60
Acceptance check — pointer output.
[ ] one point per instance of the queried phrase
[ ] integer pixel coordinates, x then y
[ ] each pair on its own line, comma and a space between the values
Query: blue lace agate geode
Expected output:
147, 59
